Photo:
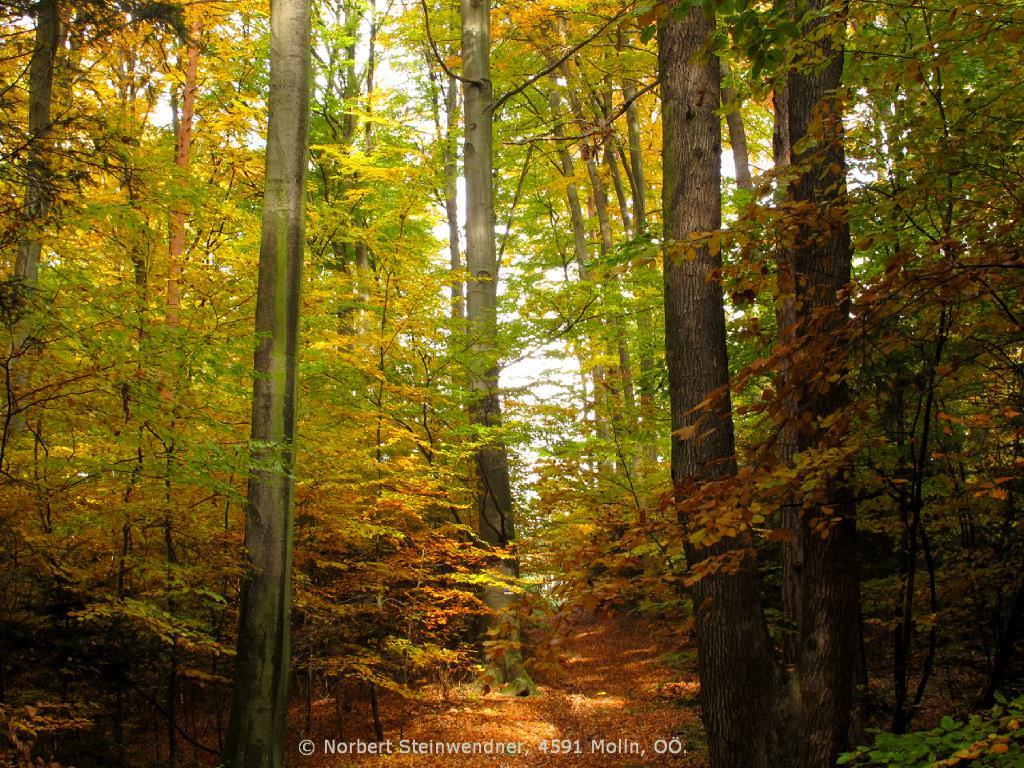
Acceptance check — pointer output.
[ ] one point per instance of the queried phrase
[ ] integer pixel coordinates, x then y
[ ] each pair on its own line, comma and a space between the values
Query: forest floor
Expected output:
617, 703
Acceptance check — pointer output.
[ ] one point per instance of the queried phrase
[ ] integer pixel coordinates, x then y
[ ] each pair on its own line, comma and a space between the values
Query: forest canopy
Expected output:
364, 359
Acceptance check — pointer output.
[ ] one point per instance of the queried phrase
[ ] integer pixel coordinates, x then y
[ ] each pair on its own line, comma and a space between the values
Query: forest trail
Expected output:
616, 690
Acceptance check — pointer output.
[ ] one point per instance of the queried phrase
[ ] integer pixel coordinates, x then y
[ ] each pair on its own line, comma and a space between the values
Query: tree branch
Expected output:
607, 121
437, 54
558, 62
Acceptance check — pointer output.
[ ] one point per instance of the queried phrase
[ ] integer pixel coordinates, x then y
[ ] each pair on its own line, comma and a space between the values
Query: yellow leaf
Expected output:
687, 432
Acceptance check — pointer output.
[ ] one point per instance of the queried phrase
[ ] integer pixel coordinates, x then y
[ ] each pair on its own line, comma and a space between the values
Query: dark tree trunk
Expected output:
786, 448
735, 657
821, 258
1005, 647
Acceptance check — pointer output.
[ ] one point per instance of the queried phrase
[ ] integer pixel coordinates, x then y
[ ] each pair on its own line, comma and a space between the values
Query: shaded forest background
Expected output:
127, 354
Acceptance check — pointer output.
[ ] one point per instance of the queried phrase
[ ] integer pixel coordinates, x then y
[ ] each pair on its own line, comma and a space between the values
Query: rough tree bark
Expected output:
786, 442
494, 501
256, 731
821, 262
735, 657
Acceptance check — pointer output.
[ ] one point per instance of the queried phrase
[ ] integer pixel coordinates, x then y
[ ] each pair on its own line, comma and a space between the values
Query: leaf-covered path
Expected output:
616, 704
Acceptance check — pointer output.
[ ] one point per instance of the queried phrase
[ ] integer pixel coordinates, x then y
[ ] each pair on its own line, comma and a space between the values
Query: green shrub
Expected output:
995, 739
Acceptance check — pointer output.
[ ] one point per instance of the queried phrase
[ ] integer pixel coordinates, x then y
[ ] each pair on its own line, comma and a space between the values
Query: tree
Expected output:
636, 155
122, 496
451, 195
820, 262
256, 731
737, 134
38, 182
735, 656
447, 136
494, 499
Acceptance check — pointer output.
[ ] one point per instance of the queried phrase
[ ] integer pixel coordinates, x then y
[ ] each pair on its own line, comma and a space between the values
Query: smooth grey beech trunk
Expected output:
737, 135
612, 164
494, 499
40, 98
735, 657
636, 154
256, 730
38, 189
451, 196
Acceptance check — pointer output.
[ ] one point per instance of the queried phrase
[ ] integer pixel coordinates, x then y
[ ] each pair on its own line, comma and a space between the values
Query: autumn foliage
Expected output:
124, 428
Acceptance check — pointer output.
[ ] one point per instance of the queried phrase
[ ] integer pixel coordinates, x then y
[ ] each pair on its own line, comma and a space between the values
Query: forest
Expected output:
491, 383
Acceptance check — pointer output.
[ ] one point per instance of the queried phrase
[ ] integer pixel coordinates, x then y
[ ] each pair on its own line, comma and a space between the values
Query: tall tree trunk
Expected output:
620, 189
182, 157
821, 262
494, 502
256, 731
371, 74
780, 129
598, 193
451, 196
786, 445
38, 189
568, 169
625, 356
636, 155
737, 135
362, 248
624, 415
348, 85
354, 11
734, 652
175, 252
38, 184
